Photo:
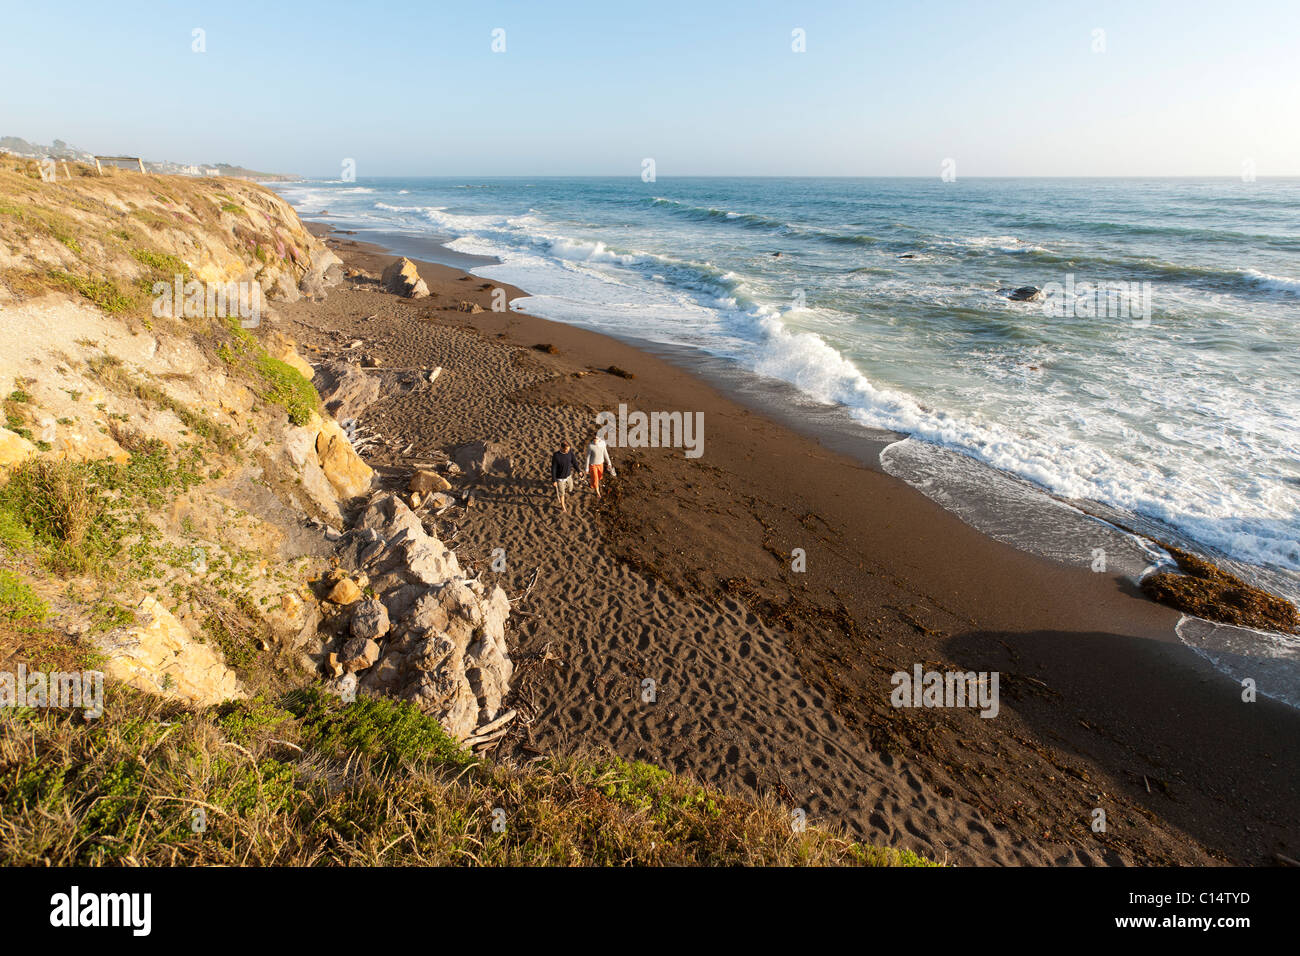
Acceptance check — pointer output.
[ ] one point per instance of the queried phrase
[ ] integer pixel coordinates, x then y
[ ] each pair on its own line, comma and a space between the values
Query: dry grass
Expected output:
307, 781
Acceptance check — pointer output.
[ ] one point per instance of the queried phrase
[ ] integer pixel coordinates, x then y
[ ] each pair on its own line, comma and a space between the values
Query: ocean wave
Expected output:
390, 208
1125, 268
757, 221
1135, 229
1275, 283
720, 288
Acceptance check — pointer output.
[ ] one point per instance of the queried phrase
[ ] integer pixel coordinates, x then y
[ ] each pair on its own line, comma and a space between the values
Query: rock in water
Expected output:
401, 278
1026, 293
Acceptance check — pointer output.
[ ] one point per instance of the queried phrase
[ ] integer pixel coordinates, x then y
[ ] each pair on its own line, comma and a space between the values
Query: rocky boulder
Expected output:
325, 272
345, 591
346, 472
369, 620
348, 388
358, 654
401, 278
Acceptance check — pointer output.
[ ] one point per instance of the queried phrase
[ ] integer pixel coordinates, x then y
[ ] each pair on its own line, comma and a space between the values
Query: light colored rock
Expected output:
402, 278
159, 655
390, 518
346, 388
429, 561
14, 449
427, 481
445, 647
326, 271
299, 445
343, 468
344, 592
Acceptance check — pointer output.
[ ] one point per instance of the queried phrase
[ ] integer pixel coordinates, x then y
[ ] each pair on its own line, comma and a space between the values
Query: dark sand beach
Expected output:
769, 679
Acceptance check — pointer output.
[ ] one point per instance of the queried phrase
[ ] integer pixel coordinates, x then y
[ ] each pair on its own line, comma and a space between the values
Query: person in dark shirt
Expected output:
563, 466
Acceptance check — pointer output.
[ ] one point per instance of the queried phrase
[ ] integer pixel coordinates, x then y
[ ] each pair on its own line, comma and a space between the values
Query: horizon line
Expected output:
633, 176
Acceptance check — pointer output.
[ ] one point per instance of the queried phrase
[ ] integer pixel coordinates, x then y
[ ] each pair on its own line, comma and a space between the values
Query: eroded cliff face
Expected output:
111, 238
174, 491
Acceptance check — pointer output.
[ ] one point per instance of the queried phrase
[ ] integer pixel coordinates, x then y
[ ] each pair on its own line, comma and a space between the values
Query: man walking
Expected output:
562, 468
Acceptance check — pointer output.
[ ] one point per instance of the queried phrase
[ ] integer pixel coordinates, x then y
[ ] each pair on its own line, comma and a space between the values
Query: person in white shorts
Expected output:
563, 466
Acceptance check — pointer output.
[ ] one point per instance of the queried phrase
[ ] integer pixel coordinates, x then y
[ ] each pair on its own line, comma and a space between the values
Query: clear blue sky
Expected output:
1184, 87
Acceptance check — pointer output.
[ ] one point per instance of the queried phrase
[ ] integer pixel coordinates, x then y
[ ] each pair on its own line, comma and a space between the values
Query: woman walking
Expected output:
597, 461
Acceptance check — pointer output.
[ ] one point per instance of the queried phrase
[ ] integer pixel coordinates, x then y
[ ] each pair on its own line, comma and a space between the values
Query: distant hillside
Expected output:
60, 150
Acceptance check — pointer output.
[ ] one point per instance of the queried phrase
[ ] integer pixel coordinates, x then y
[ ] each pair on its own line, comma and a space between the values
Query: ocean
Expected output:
1168, 405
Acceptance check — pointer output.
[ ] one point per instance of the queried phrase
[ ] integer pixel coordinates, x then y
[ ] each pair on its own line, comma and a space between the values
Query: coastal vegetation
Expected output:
306, 780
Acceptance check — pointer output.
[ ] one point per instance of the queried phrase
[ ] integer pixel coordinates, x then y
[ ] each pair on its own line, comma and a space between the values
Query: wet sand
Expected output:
772, 679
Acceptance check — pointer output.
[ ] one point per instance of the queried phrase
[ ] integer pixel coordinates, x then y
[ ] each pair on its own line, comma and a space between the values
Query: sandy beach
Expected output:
771, 679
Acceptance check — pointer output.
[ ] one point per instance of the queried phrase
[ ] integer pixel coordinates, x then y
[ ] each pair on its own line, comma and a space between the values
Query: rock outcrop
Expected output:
440, 639
328, 469
325, 272
252, 484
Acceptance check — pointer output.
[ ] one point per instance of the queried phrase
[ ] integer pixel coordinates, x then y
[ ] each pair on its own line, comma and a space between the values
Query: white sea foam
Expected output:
1275, 283
1270, 660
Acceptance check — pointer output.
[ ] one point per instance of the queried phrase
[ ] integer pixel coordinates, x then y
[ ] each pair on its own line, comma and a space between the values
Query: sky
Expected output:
1045, 88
